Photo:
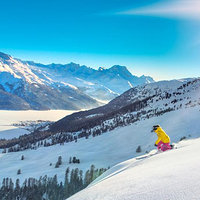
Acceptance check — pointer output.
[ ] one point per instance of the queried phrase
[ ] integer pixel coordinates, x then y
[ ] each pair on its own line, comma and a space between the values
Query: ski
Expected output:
154, 152
150, 154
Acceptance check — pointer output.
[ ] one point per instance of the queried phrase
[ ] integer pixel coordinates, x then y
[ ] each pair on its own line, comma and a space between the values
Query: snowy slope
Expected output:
138, 103
17, 70
170, 175
106, 150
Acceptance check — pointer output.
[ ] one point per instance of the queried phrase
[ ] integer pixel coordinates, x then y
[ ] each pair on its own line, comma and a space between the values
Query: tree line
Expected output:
48, 188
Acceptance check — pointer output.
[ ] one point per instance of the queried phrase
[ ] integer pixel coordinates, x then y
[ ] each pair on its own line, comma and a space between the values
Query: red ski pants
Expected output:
163, 146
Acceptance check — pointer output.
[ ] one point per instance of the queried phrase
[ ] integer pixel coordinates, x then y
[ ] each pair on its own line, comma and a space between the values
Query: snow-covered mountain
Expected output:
12, 102
139, 102
20, 84
108, 136
103, 84
57, 86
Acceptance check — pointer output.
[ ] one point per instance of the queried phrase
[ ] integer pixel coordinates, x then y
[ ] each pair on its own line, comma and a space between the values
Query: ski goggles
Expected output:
154, 128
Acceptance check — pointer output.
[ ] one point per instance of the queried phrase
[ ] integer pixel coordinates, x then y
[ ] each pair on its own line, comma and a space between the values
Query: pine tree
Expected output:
76, 180
66, 185
138, 150
19, 172
61, 194
60, 160
96, 174
70, 160
92, 173
57, 165
80, 186
87, 178
71, 186
74, 160
17, 189
55, 187
78, 161
10, 189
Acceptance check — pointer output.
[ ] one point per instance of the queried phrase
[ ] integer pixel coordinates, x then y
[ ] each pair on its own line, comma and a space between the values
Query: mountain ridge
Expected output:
117, 78
18, 79
88, 87
133, 100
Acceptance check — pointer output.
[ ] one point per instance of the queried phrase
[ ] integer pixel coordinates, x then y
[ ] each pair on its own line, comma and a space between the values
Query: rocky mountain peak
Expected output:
4, 56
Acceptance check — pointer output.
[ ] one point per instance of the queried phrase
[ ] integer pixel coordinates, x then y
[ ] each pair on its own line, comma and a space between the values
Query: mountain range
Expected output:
104, 84
55, 86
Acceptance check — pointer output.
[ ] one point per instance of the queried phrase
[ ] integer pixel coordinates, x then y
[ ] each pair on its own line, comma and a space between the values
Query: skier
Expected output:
163, 141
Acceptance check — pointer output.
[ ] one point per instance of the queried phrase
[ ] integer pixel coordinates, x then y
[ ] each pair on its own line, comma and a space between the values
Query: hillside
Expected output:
136, 104
12, 102
111, 135
104, 151
174, 174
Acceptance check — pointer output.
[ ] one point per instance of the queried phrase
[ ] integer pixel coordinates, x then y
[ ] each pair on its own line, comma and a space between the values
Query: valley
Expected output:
9, 118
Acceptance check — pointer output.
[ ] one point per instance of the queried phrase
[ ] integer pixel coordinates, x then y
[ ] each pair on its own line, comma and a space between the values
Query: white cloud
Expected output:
187, 9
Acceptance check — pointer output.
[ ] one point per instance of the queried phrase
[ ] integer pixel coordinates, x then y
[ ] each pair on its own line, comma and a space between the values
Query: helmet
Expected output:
154, 128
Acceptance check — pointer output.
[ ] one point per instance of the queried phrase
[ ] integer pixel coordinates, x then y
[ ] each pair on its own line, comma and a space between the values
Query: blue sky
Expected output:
160, 38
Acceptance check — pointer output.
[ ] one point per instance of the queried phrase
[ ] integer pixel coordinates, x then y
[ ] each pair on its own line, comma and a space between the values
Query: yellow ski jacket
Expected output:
162, 136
